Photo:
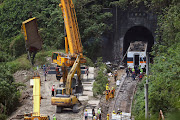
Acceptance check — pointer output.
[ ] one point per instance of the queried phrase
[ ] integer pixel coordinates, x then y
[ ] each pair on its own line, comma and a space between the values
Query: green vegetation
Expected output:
91, 22
9, 92
164, 85
89, 62
101, 80
41, 56
20, 63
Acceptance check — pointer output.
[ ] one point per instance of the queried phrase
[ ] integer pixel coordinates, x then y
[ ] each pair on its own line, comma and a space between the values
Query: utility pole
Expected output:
146, 86
146, 100
116, 18
147, 65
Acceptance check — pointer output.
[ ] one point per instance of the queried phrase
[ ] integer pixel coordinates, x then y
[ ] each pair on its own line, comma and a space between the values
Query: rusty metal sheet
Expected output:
32, 37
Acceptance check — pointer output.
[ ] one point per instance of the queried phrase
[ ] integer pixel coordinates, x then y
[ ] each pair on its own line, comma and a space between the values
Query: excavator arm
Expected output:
75, 67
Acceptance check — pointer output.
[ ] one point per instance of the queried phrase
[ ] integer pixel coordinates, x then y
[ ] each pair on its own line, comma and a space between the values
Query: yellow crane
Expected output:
72, 39
64, 96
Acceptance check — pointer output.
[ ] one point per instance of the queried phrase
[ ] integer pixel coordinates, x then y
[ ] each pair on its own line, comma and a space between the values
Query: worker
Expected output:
140, 76
107, 87
127, 72
133, 73
48, 117
137, 69
115, 75
45, 72
130, 70
54, 117
107, 116
112, 92
119, 111
113, 115
107, 95
107, 91
86, 114
95, 117
87, 71
99, 113
141, 71
133, 70
93, 112
53, 89
114, 112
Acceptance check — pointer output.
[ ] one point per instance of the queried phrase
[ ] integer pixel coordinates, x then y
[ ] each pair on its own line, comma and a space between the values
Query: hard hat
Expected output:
112, 87
107, 84
86, 110
53, 84
113, 111
100, 108
53, 114
107, 114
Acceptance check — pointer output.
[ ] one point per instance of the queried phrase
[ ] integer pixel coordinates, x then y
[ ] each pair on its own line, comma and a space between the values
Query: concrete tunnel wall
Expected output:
138, 33
127, 26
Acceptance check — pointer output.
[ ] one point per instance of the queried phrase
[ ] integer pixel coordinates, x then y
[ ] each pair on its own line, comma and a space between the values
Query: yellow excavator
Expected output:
65, 96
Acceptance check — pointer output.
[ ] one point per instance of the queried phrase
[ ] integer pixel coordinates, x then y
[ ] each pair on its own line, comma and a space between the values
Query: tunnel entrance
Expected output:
138, 33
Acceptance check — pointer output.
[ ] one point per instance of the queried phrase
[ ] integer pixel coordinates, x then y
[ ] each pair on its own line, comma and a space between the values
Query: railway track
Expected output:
124, 97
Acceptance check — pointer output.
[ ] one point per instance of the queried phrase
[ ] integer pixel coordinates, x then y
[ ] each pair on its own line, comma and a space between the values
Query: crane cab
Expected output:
55, 57
61, 59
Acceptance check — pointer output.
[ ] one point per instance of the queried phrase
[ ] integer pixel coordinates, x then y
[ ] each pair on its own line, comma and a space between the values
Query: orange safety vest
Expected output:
115, 74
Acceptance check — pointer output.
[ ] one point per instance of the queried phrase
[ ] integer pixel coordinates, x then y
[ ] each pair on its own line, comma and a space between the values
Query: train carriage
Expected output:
136, 55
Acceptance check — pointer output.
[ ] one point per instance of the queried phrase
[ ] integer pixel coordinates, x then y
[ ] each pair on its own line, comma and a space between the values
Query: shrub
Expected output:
3, 117
9, 92
101, 80
20, 63
89, 62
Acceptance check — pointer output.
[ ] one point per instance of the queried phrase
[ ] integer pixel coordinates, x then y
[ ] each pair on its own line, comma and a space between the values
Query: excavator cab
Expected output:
61, 91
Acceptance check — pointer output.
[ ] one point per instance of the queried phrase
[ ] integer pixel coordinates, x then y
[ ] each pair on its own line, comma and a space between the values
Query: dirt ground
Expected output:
46, 107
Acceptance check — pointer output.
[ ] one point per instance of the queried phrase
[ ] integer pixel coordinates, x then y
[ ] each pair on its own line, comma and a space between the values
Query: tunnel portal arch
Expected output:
138, 33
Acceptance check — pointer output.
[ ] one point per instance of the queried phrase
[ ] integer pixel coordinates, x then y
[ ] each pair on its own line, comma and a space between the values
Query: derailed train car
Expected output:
136, 55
